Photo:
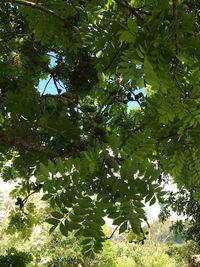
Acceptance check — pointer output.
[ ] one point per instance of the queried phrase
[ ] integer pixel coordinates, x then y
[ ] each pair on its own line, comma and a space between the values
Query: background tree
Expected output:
184, 204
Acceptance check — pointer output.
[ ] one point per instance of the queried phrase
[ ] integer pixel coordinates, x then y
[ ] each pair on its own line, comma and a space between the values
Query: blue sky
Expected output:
51, 88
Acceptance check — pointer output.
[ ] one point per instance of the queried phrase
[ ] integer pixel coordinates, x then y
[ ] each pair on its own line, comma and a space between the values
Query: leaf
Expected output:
74, 225
140, 82
139, 210
86, 241
90, 254
85, 202
98, 220
63, 230
135, 226
49, 186
127, 37
52, 229
79, 232
140, 54
150, 74
46, 197
57, 215
58, 201
153, 201
76, 218
123, 228
148, 197
79, 211
60, 166
51, 167
132, 25
118, 220
52, 221
43, 169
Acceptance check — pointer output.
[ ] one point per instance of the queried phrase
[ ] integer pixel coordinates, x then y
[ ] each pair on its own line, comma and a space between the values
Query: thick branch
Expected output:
37, 7
20, 144
23, 144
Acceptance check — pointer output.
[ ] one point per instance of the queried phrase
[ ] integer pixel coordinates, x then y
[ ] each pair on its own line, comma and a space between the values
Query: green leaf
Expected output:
135, 226
74, 225
127, 37
43, 169
123, 228
51, 167
150, 74
78, 210
85, 202
58, 201
52, 221
140, 54
90, 254
148, 197
52, 229
65, 200
57, 215
132, 25
46, 197
153, 201
63, 229
140, 82
60, 166
49, 186
76, 218
118, 220
86, 241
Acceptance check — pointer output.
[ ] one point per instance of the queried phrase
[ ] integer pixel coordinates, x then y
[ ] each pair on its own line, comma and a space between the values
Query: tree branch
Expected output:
112, 233
21, 144
135, 11
37, 7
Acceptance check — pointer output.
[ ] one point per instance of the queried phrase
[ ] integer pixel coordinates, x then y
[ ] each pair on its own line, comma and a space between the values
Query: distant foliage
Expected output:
15, 258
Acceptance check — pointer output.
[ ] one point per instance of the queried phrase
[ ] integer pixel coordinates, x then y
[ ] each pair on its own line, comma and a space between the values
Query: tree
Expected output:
183, 202
90, 154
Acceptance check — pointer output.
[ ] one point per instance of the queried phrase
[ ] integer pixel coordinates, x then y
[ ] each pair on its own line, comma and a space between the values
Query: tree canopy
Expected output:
126, 112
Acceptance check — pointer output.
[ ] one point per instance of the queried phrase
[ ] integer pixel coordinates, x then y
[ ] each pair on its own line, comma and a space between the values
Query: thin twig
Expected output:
113, 232
136, 100
33, 192
55, 83
46, 85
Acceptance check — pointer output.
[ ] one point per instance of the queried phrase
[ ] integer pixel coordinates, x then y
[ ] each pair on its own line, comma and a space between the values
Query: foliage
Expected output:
90, 155
58, 250
185, 204
23, 221
15, 258
182, 252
